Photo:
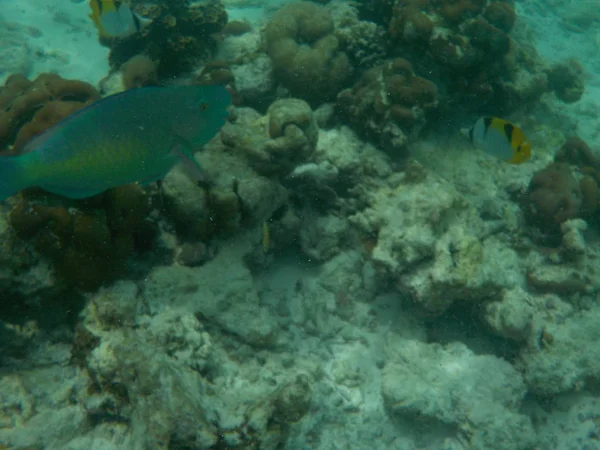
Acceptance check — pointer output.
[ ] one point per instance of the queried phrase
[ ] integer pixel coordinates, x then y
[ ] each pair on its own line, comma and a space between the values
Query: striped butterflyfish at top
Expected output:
115, 18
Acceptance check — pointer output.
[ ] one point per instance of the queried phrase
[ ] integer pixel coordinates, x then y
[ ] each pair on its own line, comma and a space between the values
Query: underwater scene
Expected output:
298, 225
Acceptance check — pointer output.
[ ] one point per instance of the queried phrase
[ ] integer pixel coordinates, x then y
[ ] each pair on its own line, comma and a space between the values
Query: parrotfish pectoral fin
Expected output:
183, 150
11, 176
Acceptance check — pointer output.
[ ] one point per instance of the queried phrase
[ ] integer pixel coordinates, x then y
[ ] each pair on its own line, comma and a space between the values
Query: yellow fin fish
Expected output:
114, 18
500, 138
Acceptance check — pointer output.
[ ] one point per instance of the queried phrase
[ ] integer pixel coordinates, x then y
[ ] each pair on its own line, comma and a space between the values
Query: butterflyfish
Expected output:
114, 18
134, 136
500, 138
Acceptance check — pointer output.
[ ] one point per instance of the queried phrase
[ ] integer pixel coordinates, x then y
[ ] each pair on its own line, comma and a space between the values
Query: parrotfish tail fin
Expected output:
11, 178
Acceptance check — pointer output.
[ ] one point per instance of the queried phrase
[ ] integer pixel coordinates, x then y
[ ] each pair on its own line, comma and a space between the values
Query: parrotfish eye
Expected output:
203, 106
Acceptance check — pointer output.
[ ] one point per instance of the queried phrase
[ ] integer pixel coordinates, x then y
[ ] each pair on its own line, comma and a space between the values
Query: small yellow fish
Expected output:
114, 18
500, 138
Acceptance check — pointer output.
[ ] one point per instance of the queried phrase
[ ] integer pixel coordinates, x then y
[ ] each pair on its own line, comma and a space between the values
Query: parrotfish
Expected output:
114, 18
500, 138
134, 136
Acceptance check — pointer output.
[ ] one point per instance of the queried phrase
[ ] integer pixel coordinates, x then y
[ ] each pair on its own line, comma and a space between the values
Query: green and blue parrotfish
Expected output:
135, 136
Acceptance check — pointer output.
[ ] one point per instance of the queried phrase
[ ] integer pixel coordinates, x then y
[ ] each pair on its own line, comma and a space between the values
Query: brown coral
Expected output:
389, 103
577, 153
552, 197
87, 241
29, 107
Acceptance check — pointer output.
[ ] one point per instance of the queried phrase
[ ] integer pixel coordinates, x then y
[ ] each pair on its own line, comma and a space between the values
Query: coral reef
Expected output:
465, 48
389, 104
475, 30
28, 108
315, 290
306, 53
178, 38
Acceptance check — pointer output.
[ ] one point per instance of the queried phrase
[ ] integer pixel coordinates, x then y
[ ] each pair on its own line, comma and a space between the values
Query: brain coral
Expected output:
29, 107
306, 53
389, 103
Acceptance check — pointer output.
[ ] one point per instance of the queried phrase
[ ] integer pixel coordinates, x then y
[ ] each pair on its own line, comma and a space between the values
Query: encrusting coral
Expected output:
306, 53
28, 108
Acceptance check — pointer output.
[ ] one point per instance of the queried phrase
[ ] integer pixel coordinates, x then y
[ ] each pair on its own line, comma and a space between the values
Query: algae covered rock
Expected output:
276, 143
479, 395
567, 358
431, 243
